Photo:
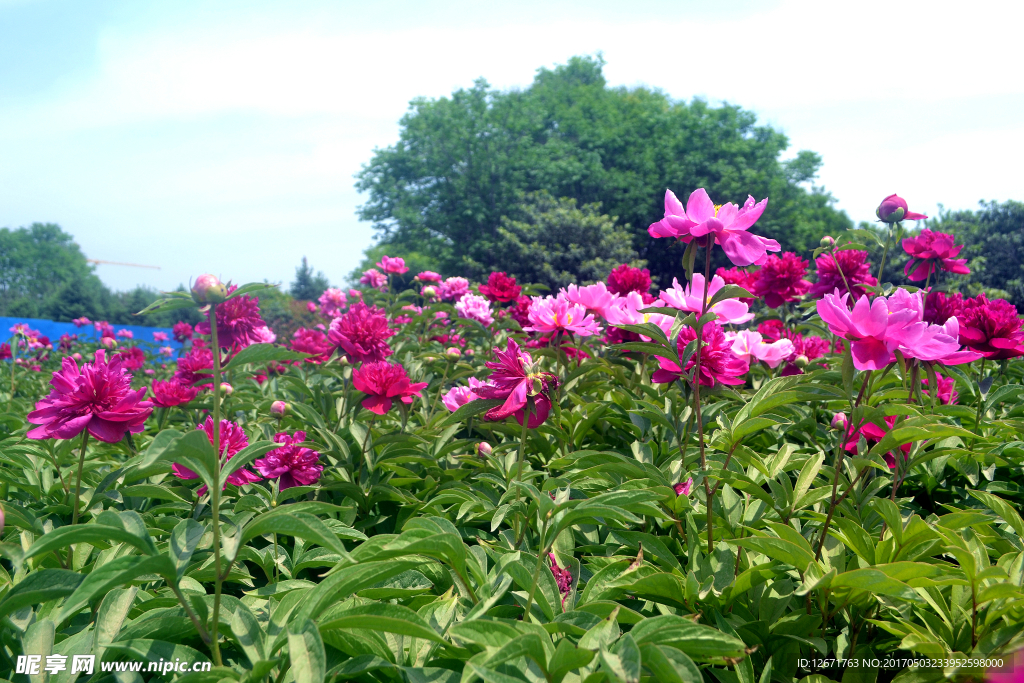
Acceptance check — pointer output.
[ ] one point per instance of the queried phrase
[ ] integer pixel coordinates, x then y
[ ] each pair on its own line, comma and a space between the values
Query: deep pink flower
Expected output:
459, 396
931, 251
293, 464
428, 276
195, 366
5, 351
182, 331
312, 341
691, 298
739, 276
684, 488
160, 336
395, 264
563, 577
98, 397
132, 358
625, 279
894, 209
232, 439
475, 307
992, 328
170, 394
595, 298
855, 267
374, 278
557, 314
718, 363
938, 307
520, 312
872, 433
81, 322
781, 279
727, 222
362, 333
381, 382
947, 394
501, 287
104, 328
332, 301
454, 288
514, 380
238, 323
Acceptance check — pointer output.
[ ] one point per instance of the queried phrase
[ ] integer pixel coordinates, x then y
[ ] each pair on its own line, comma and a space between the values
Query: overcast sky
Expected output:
223, 136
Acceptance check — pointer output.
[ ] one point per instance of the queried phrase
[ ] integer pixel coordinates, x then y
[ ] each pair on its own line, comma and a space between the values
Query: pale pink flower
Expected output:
749, 345
459, 396
160, 336
395, 264
556, 314
125, 334
374, 278
81, 322
691, 298
595, 298
332, 301
166, 351
428, 276
475, 307
625, 310
454, 288
263, 335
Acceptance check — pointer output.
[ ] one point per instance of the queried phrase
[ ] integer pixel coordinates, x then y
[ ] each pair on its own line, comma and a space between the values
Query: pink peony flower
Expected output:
992, 328
872, 433
454, 288
938, 307
931, 251
476, 308
332, 301
595, 298
428, 276
361, 333
692, 299
500, 287
238, 323
104, 328
893, 209
781, 279
132, 358
563, 578
947, 393
718, 363
855, 267
381, 382
626, 311
514, 380
97, 398
292, 464
727, 222
556, 314
81, 322
182, 331
394, 265
314, 342
170, 394
355, 294
625, 279
311, 307
684, 488
749, 345
125, 334
195, 366
374, 278
160, 336
232, 439
459, 396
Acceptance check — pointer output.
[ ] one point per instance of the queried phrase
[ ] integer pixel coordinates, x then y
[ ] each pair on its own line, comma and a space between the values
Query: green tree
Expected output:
307, 286
462, 163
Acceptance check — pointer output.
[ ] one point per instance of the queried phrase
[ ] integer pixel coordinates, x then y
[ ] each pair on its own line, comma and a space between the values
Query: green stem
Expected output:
14, 357
78, 488
215, 493
519, 469
699, 337
440, 388
536, 577
885, 253
981, 402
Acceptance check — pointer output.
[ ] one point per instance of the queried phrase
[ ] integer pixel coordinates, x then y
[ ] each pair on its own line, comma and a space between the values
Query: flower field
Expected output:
771, 471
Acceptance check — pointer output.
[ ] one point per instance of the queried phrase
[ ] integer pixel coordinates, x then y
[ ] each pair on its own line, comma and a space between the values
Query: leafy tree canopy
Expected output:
307, 286
462, 164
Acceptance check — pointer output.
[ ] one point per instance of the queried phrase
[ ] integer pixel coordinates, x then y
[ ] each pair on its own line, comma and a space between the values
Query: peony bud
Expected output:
429, 292
226, 389
893, 209
801, 361
839, 421
311, 307
538, 386
452, 352
109, 342
827, 242
209, 290
483, 449
469, 352
76, 356
684, 488
278, 409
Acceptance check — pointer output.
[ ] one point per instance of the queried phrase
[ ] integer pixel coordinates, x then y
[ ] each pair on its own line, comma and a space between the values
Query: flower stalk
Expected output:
215, 493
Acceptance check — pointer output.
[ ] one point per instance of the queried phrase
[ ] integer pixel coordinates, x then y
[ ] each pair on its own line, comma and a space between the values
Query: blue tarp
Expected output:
55, 330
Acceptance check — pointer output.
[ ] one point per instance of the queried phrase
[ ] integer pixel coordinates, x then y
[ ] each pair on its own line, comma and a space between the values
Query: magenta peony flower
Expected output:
104, 328
428, 276
563, 578
125, 334
718, 363
293, 464
238, 323
132, 358
739, 276
514, 380
781, 279
556, 314
454, 288
395, 265
931, 251
727, 222
160, 336
749, 345
361, 333
312, 341
81, 322
992, 328
893, 209
691, 298
182, 331
625, 279
684, 488
938, 307
381, 382
232, 439
520, 312
855, 267
374, 278
195, 366
66, 341
332, 301
476, 308
170, 394
459, 396
5, 351
500, 287
947, 393
595, 298
872, 433
98, 398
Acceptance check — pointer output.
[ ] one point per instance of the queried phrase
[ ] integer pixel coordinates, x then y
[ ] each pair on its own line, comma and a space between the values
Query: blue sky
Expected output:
223, 137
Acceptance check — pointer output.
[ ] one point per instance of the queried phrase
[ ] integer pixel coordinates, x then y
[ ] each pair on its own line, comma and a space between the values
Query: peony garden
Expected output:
785, 469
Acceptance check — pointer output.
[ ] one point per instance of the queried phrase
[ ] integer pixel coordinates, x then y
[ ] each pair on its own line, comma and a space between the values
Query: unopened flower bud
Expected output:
452, 352
893, 209
684, 488
538, 386
429, 292
209, 290
109, 342
343, 361
801, 361
311, 307
226, 389
76, 356
468, 352
278, 409
827, 242
483, 449
839, 421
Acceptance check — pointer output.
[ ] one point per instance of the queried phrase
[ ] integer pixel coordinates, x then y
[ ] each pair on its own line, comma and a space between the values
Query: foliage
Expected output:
416, 261
307, 286
462, 162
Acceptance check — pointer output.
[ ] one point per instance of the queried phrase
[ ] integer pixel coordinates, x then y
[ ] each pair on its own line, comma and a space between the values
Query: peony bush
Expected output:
782, 470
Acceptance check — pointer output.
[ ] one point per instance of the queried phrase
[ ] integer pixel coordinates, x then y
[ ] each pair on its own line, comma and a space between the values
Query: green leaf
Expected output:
696, 640
244, 457
298, 524
251, 288
670, 665
383, 617
567, 658
306, 652
875, 582
38, 587
96, 533
729, 292
184, 539
469, 410
261, 354
153, 651
622, 659
113, 574
778, 549
110, 617
1003, 509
